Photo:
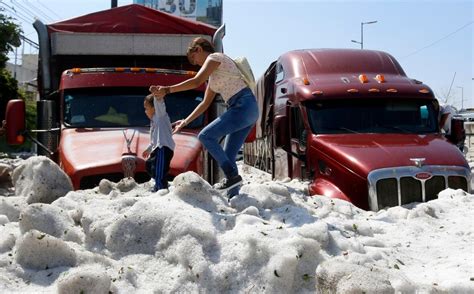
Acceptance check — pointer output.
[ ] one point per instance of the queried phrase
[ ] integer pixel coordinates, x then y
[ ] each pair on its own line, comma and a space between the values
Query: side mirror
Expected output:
281, 132
458, 134
15, 118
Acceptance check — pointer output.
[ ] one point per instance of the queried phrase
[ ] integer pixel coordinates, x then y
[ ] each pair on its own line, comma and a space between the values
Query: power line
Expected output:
23, 9
32, 43
24, 13
34, 13
45, 15
15, 14
54, 13
435, 42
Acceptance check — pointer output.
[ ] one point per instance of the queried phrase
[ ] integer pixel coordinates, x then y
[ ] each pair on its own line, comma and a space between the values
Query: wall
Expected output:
25, 73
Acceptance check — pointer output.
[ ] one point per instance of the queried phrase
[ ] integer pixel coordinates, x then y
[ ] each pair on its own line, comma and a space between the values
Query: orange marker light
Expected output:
135, 69
150, 69
119, 69
424, 91
363, 79
374, 90
20, 139
353, 91
391, 90
76, 70
306, 81
380, 78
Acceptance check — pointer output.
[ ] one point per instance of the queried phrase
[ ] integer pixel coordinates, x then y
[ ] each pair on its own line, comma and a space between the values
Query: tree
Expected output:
9, 38
10, 34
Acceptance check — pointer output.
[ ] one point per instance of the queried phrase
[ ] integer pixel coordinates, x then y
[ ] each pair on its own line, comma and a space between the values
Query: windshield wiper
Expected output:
349, 130
405, 131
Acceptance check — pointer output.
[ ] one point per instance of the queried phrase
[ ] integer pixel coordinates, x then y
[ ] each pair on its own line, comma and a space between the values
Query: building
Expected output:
26, 72
208, 11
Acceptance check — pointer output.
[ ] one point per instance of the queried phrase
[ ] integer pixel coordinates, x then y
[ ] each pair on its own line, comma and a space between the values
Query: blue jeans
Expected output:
235, 124
158, 166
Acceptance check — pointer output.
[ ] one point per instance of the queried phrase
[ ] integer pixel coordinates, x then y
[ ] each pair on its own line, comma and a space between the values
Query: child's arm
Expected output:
160, 108
149, 148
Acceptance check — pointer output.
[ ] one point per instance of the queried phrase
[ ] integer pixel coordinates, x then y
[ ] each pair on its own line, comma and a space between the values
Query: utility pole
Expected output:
462, 97
16, 62
362, 33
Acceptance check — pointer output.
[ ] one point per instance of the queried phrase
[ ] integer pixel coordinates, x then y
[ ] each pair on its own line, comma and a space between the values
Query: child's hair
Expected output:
149, 100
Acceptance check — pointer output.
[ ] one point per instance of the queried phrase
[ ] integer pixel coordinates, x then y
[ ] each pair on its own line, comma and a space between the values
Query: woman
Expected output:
236, 123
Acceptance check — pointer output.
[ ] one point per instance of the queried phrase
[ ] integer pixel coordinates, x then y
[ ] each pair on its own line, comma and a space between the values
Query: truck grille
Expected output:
398, 186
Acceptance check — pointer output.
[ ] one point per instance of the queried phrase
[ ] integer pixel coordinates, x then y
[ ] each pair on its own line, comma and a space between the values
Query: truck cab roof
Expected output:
345, 73
332, 61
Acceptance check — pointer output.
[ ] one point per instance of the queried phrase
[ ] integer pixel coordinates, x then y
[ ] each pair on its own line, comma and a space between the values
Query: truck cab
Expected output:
104, 130
353, 124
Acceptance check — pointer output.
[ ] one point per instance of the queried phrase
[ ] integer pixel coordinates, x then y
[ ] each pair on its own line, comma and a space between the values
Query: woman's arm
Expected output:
203, 74
209, 96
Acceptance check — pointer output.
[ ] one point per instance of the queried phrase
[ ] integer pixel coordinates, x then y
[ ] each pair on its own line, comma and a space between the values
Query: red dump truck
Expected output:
353, 124
94, 72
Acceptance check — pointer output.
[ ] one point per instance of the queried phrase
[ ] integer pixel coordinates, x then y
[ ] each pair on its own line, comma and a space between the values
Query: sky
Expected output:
271, 238
432, 40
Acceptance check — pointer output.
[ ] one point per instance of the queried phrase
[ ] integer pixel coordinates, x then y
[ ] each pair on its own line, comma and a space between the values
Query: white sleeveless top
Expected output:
227, 84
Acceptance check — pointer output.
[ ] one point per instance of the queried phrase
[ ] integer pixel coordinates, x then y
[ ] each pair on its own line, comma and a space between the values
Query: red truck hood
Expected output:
99, 151
363, 153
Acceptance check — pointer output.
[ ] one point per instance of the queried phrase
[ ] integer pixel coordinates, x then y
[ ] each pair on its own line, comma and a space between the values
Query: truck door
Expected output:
298, 135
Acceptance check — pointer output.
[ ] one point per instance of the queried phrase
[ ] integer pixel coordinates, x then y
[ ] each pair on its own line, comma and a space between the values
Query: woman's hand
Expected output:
153, 88
178, 125
159, 91
146, 153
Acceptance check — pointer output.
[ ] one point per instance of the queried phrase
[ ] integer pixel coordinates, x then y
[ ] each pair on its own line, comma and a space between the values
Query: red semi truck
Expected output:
94, 72
353, 124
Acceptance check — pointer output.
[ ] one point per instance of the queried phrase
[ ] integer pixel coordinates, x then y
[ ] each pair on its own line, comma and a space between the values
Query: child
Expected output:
160, 150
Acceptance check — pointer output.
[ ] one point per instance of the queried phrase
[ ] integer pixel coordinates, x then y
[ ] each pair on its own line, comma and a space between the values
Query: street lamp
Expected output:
362, 33
462, 97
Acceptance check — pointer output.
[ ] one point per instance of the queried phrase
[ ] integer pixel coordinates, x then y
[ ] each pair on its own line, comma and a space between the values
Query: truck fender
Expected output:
326, 188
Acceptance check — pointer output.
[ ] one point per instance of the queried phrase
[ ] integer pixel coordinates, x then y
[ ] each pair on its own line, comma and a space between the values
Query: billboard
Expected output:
208, 11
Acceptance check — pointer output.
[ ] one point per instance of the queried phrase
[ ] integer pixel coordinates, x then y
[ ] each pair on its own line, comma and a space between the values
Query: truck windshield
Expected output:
99, 108
405, 116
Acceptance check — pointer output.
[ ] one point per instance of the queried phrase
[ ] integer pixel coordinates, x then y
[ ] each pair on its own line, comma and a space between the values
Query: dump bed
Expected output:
127, 36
